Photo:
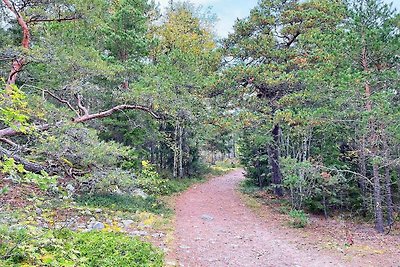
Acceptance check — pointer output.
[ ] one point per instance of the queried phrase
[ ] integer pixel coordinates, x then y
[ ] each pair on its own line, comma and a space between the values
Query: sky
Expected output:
229, 10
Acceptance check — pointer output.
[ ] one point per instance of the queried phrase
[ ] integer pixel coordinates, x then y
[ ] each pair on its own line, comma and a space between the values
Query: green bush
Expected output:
63, 248
150, 181
298, 218
123, 203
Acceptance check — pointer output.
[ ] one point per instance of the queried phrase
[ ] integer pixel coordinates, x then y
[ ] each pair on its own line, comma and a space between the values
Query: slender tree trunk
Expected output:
175, 171
273, 153
398, 188
388, 180
19, 62
377, 200
389, 199
363, 171
180, 151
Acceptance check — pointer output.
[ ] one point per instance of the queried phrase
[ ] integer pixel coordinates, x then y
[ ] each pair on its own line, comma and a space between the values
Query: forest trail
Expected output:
215, 228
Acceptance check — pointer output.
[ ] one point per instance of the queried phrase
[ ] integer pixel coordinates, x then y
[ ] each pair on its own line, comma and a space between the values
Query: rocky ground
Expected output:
26, 205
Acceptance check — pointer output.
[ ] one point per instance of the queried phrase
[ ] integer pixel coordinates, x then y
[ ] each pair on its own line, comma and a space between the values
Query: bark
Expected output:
389, 200
175, 171
29, 166
18, 63
180, 173
273, 153
388, 181
363, 171
398, 188
377, 200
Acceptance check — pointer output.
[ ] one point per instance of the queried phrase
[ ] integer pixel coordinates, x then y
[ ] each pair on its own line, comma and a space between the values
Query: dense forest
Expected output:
111, 97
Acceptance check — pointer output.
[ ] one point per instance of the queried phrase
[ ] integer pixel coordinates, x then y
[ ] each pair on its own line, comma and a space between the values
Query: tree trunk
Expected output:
29, 166
363, 171
389, 200
388, 180
175, 171
273, 153
180, 173
18, 63
377, 200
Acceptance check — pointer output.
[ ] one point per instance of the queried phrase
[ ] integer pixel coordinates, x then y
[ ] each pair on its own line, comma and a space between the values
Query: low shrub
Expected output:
62, 248
150, 181
298, 218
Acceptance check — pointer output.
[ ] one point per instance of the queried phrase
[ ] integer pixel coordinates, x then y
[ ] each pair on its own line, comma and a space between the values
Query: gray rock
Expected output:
139, 192
98, 210
139, 233
39, 211
158, 235
207, 217
98, 226
127, 223
70, 188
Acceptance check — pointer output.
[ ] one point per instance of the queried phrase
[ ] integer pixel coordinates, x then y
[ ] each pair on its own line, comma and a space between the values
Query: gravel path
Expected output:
215, 228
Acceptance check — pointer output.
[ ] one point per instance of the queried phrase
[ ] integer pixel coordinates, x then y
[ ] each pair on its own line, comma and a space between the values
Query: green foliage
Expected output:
312, 186
298, 218
17, 173
14, 110
126, 203
150, 181
64, 248
75, 145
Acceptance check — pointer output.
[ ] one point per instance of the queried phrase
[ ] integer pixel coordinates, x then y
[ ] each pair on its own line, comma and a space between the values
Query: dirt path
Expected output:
215, 228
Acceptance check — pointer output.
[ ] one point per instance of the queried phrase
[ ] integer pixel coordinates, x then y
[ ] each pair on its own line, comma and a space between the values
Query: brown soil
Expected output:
215, 228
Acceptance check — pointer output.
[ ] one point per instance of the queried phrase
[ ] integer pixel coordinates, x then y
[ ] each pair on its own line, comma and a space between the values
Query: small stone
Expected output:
98, 211
139, 233
158, 235
207, 217
98, 226
127, 223
140, 193
39, 211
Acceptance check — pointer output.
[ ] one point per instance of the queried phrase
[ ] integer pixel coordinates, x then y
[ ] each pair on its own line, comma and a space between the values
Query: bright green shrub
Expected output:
150, 181
298, 218
64, 248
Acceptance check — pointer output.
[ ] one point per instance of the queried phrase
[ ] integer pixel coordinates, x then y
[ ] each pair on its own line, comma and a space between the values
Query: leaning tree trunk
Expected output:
29, 166
273, 153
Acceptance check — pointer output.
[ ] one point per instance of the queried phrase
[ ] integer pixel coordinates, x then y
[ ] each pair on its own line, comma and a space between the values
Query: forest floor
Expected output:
216, 225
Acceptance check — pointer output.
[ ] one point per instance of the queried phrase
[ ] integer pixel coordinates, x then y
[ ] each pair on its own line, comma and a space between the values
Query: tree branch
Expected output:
29, 166
84, 110
8, 132
62, 101
38, 19
107, 113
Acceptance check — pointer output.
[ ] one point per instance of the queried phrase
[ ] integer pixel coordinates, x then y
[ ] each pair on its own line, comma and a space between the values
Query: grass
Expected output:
180, 185
125, 203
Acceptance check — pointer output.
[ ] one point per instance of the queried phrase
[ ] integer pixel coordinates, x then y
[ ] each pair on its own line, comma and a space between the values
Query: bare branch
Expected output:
66, 102
107, 113
8, 141
84, 110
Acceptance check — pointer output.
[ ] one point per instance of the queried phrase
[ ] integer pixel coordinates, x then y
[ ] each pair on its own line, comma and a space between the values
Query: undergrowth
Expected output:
124, 203
64, 248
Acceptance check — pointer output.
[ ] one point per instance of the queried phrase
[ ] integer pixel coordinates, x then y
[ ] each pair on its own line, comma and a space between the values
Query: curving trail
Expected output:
215, 228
